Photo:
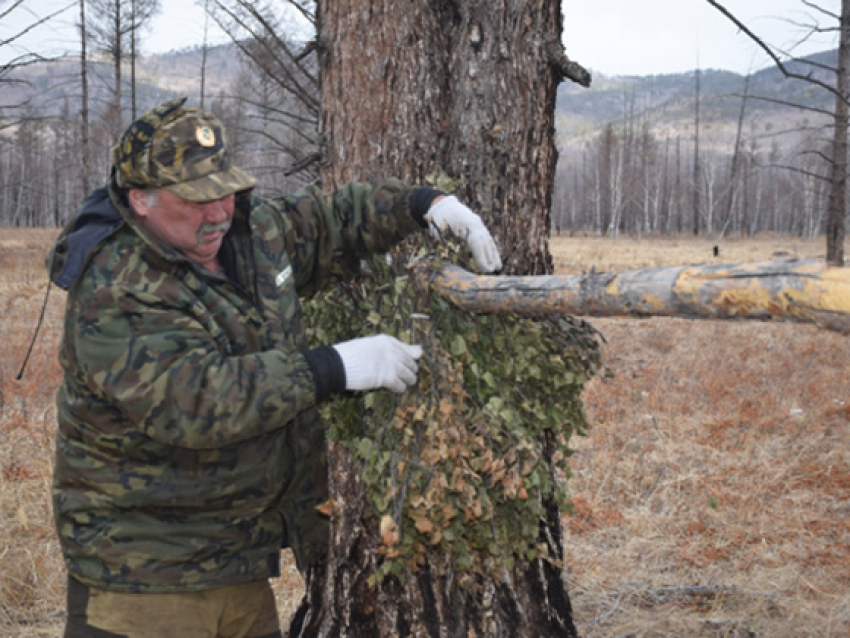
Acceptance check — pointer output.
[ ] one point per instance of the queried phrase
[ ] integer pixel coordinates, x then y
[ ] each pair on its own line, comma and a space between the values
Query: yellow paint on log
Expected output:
832, 290
800, 290
796, 289
654, 302
754, 299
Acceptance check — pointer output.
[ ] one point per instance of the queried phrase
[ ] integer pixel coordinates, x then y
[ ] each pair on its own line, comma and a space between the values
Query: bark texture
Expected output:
434, 602
466, 88
804, 290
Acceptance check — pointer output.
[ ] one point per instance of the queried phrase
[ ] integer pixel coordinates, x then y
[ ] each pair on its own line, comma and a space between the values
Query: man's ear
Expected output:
138, 202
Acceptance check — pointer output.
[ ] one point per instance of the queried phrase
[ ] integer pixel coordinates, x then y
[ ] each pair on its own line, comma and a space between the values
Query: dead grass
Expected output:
721, 448
32, 576
32, 579
711, 497
580, 253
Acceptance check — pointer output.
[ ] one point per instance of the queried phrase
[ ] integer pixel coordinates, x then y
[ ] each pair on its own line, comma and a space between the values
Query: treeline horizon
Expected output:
638, 183
635, 176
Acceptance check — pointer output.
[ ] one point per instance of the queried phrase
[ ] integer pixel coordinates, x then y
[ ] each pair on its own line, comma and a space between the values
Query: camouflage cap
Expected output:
185, 151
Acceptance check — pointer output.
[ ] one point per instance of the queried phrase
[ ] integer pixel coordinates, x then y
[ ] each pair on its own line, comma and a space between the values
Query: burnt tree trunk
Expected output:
435, 601
465, 88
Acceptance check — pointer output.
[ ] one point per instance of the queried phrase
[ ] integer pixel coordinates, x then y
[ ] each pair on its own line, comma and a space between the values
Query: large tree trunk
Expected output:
436, 601
466, 88
804, 290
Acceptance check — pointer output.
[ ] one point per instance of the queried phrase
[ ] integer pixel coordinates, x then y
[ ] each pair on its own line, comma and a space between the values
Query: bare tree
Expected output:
697, 177
838, 174
205, 52
836, 159
280, 87
734, 166
141, 11
36, 181
113, 26
24, 57
84, 101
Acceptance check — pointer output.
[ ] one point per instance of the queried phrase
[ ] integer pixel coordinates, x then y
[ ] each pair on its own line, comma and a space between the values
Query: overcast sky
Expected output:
644, 37
613, 37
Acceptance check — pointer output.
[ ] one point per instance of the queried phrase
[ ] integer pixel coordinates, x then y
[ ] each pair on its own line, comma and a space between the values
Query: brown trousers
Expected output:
238, 611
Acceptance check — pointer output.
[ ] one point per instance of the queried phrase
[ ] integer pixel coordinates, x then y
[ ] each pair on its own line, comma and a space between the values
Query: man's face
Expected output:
194, 228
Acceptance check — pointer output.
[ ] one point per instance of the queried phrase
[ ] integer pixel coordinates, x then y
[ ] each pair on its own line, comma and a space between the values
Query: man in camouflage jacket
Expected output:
189, 447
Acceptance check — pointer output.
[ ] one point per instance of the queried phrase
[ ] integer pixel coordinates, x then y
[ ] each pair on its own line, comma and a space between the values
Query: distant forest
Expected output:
59, 118
706, 152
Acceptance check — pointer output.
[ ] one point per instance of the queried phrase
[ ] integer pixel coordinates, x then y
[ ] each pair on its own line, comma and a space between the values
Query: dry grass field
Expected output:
711, 497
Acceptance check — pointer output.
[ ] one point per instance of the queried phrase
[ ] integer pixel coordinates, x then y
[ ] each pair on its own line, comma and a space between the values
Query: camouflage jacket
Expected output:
187, 409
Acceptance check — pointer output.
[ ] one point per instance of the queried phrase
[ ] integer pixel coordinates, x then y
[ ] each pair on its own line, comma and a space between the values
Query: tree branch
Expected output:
764, 47
295, 88
802, 107
820, 9
794, 169
38, 22
564, 67
308, 15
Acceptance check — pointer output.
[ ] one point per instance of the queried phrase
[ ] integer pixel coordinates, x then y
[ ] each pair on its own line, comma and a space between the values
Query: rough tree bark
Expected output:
466, 88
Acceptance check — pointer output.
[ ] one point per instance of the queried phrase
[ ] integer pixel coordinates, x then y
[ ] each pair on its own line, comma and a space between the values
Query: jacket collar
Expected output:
102, 213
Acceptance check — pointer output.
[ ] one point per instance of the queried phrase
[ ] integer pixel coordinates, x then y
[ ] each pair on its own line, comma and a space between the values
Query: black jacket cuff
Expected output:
328, 371
420, 201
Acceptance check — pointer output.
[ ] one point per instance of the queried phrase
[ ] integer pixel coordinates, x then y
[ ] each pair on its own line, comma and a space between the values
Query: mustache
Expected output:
212, 228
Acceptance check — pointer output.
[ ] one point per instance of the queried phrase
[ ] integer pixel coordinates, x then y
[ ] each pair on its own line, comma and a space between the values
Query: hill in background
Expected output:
665, 103
46, 87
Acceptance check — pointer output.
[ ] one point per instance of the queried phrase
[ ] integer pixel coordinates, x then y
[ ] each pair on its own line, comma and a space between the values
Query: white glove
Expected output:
467, 225
380, 361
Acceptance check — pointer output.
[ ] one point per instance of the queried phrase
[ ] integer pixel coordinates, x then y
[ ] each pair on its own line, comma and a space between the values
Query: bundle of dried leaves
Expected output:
464, 463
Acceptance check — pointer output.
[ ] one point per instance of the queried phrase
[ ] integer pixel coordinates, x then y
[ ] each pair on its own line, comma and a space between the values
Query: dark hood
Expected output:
102, 213
95, 221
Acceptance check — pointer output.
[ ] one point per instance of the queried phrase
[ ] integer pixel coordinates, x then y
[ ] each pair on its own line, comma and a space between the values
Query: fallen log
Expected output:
797, 290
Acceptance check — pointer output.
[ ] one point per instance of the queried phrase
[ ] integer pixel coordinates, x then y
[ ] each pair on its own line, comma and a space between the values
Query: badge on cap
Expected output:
205, 136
